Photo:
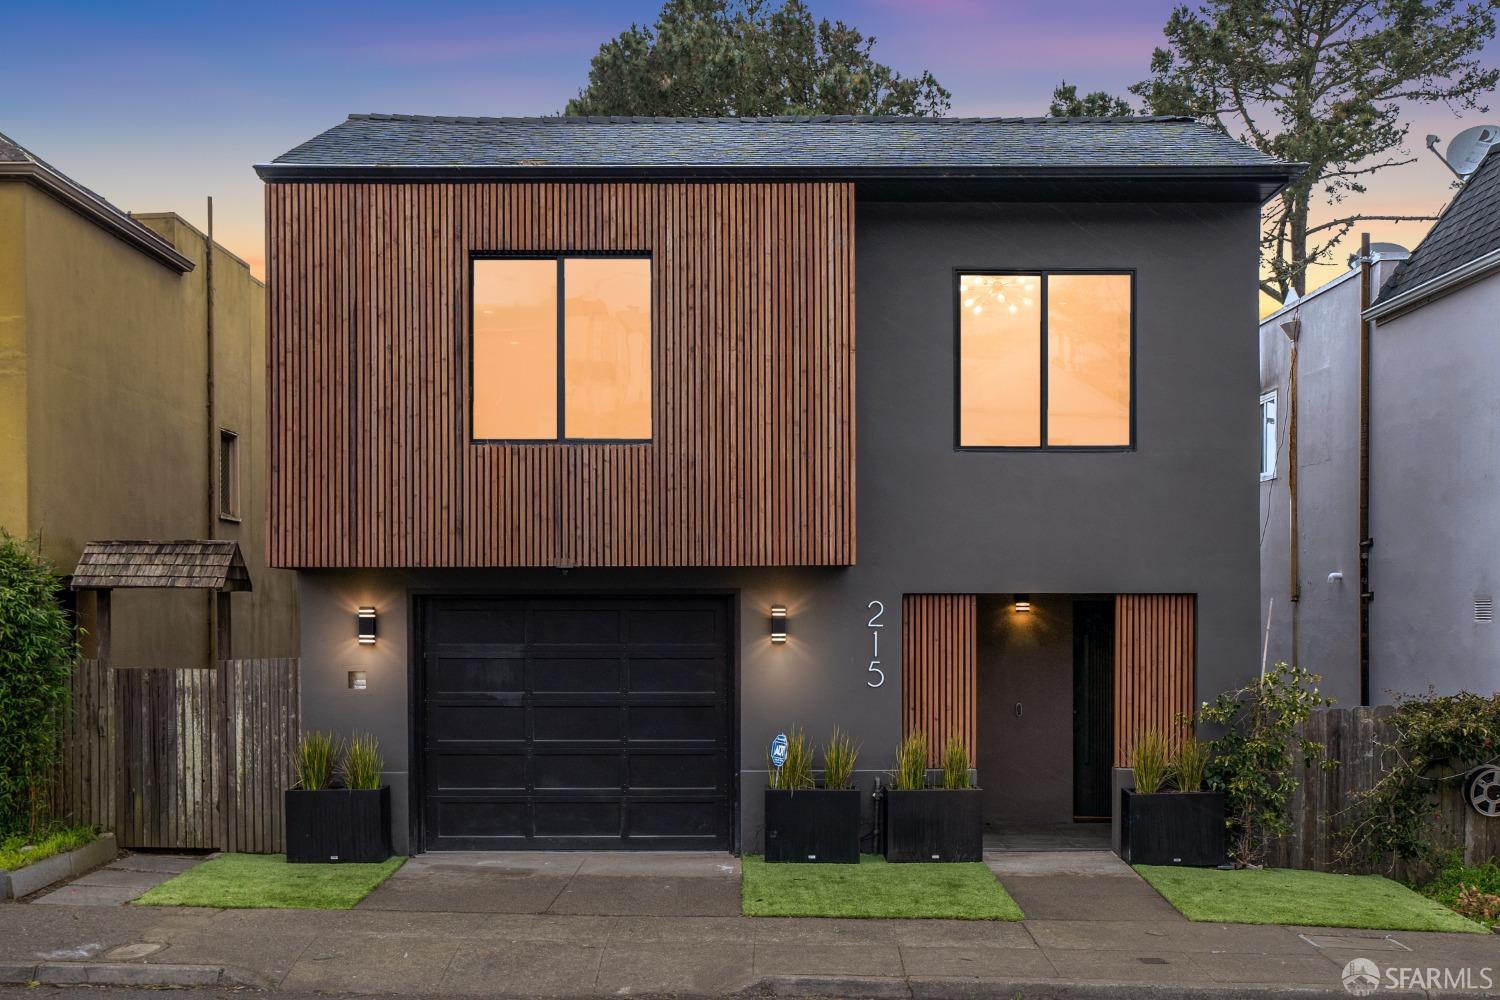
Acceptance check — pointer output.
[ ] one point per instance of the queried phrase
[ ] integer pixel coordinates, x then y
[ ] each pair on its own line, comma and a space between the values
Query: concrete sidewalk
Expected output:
1095, 931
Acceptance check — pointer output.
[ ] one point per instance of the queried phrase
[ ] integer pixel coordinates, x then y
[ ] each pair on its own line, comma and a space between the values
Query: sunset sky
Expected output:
158, 105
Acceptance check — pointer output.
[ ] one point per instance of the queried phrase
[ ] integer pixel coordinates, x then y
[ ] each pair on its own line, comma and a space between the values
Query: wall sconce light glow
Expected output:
366, 624
1023, 604
778, 623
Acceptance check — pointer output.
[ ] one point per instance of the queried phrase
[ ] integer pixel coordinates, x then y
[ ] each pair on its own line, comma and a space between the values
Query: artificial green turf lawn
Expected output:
249, 881
1300, 898
873, 888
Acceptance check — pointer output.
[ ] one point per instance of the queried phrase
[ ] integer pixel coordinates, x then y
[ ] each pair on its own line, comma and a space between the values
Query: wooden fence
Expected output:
1322, 807
183, 758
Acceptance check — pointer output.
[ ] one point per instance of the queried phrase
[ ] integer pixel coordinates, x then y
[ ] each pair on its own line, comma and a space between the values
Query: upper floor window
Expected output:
562, 348
229, 475
1045, 359
1268, 436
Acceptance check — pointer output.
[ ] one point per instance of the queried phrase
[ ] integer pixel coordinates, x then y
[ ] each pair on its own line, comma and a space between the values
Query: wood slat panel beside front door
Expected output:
1156, 655
939, 669
372, 462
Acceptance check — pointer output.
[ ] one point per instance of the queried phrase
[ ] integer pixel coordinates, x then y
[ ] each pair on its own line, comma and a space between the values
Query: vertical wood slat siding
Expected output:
1155, 666
183, 758
939, 669
751, 461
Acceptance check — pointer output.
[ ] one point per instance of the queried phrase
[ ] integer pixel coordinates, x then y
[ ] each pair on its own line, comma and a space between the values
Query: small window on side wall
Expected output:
1269, 437
1045, 360
229, 475
562, 349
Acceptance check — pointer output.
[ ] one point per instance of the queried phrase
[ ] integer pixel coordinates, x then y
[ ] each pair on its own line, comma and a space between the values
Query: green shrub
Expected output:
838, 760
955, 765
37, 653
1150, 761
1438, 738
911, 763
1189, 763
20, 850
1471, 890
316, 754
362, 763
797, 773
1253, 761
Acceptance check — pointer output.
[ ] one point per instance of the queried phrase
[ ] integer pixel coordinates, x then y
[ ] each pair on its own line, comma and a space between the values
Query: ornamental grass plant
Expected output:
956, 765
796, 773
1190, 764
839, 756
911, 763
1150, 761
362, 763
317, 753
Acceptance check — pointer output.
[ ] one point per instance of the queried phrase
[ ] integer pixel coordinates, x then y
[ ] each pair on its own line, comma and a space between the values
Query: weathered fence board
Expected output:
1322, 807
183, 758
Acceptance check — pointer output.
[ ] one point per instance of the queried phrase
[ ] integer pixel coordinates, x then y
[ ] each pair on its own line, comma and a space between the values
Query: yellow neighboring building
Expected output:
112, 423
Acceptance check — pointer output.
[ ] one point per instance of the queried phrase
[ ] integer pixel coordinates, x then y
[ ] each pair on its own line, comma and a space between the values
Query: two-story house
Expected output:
607, 449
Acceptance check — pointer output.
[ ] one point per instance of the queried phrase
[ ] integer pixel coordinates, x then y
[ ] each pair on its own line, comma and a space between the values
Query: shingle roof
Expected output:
1468, 229
191, 564
850, 145
18, 161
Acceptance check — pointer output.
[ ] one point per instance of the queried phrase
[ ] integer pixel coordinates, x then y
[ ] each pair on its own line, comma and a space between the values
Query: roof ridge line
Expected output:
936, 120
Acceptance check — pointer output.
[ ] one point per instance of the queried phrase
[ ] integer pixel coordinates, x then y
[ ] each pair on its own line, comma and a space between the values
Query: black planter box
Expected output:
934, 824
338, 824
813, 825
1172, 828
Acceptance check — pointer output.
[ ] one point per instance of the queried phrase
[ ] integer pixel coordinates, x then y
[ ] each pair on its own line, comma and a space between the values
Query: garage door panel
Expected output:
479, 818
475, 772
482, 623
698, 675
577, 723
573, 625
690, 771
582, 772
471, 674
448, 724
675, 722
675, 626
672, 819
574, 674
577, 819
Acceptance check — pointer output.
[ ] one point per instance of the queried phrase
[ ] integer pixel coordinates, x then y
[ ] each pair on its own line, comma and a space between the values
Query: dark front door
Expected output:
1093, 707
578, 723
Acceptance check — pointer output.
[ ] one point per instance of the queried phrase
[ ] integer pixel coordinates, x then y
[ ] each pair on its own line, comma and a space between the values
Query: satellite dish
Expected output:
1469, 147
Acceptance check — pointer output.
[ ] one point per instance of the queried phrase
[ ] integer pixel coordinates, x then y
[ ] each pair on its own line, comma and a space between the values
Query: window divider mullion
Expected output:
1042, 279
562, 297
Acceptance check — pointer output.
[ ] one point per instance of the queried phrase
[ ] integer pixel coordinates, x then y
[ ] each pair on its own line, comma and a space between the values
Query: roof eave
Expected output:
1271, 178
107, 217
1432, 288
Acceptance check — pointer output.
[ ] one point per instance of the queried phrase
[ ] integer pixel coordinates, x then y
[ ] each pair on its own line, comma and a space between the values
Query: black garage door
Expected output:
576, 724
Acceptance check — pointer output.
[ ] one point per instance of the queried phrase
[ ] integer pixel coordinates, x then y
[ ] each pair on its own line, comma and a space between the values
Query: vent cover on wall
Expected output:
1484, 608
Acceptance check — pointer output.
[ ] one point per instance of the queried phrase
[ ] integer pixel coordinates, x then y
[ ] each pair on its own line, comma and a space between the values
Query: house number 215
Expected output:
875, 627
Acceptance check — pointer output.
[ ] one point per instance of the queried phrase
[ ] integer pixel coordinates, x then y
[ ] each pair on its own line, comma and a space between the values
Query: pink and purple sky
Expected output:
158, 105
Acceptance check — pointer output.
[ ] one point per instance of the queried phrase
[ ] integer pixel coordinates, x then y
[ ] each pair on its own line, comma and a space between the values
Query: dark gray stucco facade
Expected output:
1177, 514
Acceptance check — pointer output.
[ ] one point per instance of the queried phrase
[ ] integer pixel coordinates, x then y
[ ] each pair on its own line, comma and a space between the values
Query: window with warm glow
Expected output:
562, 349
1044, 360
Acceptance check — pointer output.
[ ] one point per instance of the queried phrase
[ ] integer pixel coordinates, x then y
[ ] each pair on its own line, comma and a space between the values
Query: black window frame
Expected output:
560, 336
1041, 273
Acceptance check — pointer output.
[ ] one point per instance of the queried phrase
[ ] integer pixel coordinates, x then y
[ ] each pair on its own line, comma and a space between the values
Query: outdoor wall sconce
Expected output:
357, 681
366, 623
778, 623
1023, 604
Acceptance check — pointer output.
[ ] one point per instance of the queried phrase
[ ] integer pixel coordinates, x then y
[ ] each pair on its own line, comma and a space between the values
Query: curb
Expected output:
881, 988
25, 881
124, 974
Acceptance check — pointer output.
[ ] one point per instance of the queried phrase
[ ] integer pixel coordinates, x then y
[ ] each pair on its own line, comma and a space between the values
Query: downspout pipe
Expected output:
1365, 541
211, 511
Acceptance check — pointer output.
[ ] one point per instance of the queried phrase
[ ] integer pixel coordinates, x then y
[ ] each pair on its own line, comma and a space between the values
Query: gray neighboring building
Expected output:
575, 645
1434, 464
